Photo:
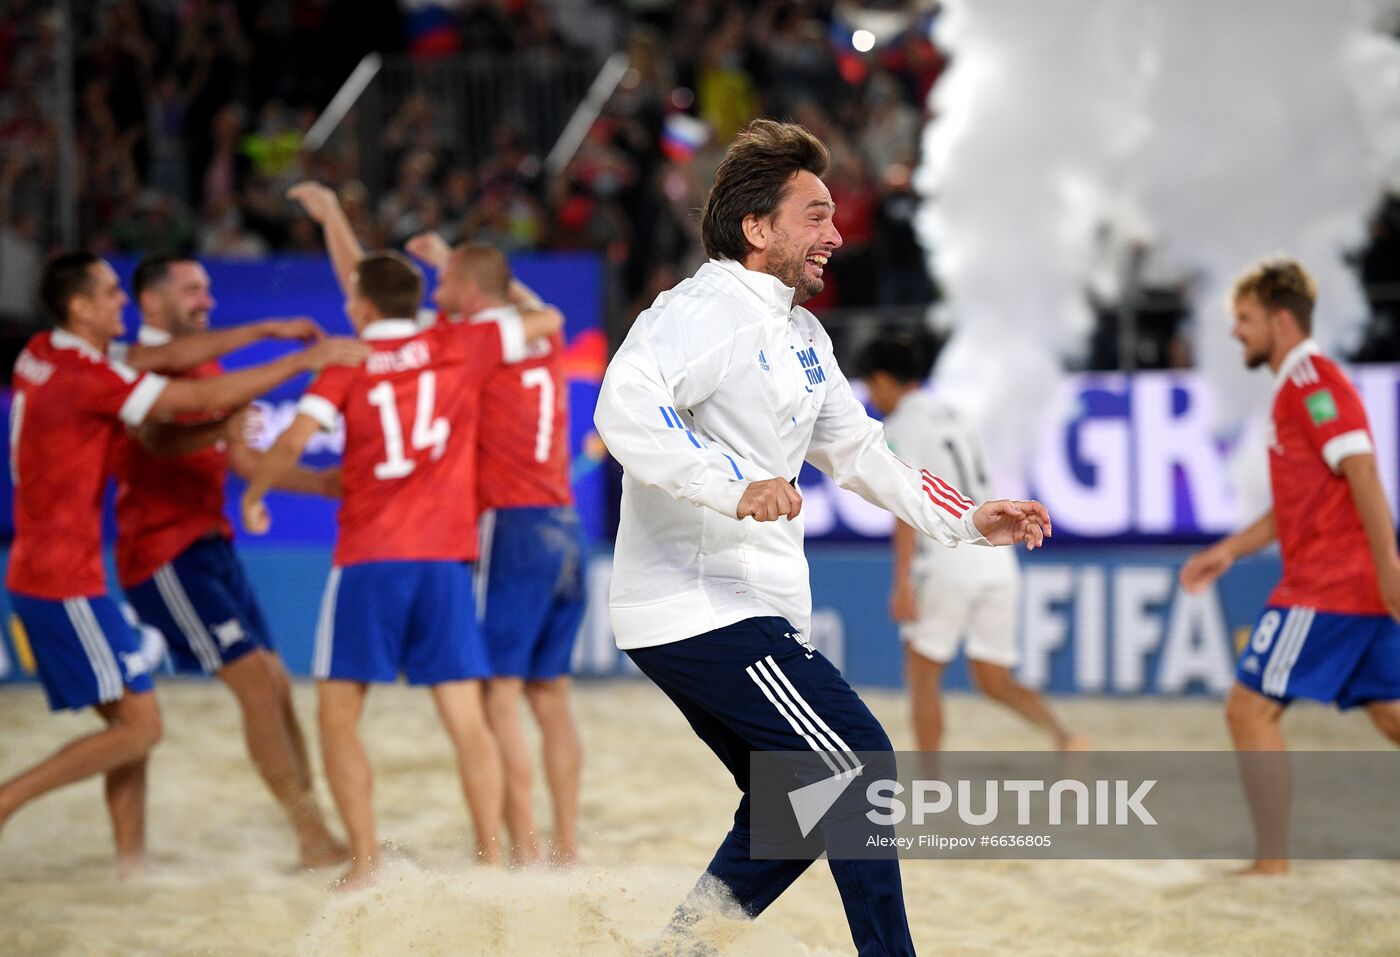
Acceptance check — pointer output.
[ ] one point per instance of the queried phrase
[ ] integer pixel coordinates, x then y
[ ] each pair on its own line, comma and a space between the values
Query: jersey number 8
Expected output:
1264, 634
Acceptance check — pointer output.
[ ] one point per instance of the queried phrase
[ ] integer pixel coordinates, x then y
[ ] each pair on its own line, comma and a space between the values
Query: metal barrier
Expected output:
473, 97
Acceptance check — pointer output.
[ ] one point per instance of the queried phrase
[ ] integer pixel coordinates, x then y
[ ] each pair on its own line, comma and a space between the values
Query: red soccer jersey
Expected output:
70, 403
1318, 420
166, 503
523, 448
411, 416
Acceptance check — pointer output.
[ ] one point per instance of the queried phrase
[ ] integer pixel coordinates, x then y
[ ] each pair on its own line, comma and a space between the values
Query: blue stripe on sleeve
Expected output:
693, 440
735, 467
665, 414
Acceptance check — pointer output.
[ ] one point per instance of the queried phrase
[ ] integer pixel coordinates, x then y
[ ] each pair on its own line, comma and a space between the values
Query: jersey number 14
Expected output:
429, 432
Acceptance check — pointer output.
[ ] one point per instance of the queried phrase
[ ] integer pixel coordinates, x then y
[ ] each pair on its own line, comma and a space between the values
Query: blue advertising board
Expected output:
1133, 459
285, 286
1094, 620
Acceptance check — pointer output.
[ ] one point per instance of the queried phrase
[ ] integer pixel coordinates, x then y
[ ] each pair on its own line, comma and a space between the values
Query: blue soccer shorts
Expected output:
1299, 652
84, 651
530, 589
382, 619
204, 606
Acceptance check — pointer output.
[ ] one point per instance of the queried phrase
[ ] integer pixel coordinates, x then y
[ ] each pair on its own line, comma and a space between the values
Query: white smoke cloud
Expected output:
1215, 131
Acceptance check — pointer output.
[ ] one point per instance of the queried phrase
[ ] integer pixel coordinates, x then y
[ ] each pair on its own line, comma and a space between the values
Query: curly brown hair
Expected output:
1281, 283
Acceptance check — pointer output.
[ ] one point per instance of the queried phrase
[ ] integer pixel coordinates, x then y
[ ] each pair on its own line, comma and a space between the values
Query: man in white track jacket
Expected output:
720, 392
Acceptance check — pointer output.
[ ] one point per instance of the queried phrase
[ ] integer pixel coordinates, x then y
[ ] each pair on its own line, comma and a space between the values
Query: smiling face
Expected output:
181, 302
796, 240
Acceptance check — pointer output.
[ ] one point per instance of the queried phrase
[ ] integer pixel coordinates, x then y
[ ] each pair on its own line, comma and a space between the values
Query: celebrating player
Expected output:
175, 556
719, 393
941, 595
1329, 631
71, 402
530, 578
399, 598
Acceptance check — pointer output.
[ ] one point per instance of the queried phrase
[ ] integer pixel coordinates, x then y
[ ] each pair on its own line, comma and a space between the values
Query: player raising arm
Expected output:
530, 577
399, 598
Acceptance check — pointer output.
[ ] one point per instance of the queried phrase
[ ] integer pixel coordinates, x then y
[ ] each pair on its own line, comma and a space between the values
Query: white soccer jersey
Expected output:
720, 383
927, 430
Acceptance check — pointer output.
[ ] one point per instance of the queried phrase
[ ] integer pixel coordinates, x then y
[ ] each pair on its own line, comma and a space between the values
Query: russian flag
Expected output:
682, 136
433, 30
849, 63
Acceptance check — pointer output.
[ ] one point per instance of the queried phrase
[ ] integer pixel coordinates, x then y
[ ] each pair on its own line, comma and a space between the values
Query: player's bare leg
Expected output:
462, 709
924, 677
503, 712
563, 763
133, 728
324, 848
1385, 715
270, 744
340, 704
282, 681
998, 683
124, 789
1256, 729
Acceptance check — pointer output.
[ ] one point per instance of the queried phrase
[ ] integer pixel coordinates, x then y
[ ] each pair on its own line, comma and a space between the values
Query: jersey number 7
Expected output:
540, 378
428, 432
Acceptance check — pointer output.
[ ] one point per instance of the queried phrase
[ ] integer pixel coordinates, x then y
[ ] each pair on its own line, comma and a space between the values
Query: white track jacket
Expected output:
720, 383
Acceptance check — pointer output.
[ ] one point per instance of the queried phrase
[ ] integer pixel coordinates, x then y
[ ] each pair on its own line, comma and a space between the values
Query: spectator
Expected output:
725, 92
222, 234
890, 133
21, 255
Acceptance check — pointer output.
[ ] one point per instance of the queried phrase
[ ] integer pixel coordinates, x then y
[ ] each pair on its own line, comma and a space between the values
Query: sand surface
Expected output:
655, 804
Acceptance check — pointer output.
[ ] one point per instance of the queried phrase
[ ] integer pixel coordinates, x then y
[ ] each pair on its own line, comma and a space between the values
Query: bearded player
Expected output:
175, 557
1330, 631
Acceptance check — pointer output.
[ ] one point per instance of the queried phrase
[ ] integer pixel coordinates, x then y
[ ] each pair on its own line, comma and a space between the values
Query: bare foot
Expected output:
525, 856
1265, 868
360, 874
130, 866
1074, 742
562, 853
489, 854
322, 850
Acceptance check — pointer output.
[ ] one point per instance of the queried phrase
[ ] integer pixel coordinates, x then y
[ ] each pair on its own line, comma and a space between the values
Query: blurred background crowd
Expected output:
189, 119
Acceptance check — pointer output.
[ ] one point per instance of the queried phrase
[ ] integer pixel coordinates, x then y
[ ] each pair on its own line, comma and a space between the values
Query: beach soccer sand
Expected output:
222, 882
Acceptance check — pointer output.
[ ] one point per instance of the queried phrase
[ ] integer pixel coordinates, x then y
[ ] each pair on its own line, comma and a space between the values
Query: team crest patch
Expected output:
1321, 407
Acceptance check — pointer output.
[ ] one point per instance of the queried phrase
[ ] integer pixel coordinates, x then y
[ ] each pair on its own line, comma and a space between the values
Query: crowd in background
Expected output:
191, 115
